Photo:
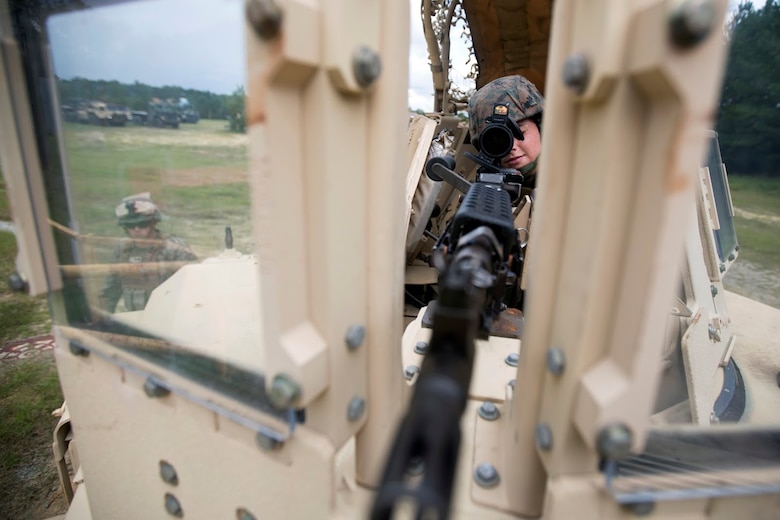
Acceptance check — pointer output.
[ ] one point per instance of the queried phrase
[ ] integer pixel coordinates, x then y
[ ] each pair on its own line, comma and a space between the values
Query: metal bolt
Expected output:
576, 73
421, 348
489, 411
243, 514
411, 371
614, 441
356, 408
366, 66
265, 17
173, 506
556, 361
732, 257
640, 508
486, 475
544, 437
355, 336
722, 267
714, 332
267, 442
77, 350
153, 388
713, 290
690, 21
512, 359
17, 282
284, 391
168, 473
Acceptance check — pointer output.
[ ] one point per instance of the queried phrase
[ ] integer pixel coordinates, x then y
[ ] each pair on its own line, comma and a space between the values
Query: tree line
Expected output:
136, 96
748, 122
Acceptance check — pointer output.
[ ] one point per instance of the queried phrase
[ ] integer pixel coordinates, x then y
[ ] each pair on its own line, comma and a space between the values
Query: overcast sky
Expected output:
195, 44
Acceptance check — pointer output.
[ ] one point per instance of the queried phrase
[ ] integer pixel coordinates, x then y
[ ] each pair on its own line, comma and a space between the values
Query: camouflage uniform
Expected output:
136, 287
524, 99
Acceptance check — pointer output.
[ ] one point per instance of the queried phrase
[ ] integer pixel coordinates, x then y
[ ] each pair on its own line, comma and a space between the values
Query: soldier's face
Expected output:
526, 151
140, 230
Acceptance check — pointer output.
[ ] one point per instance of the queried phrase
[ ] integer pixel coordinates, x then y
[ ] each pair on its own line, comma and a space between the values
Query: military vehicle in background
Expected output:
119, 115
189, 114
163, 112
96, 113
139, 117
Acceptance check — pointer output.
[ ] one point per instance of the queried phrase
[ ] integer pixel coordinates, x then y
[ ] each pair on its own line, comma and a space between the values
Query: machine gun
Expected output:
474, 256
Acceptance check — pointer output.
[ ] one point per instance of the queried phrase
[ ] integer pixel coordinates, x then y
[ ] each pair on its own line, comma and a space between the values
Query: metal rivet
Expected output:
366, 66
713, 332
640, 508
732, 257
411, 371
284, 392
690, 21
489, 411
267, 442
722, 267
486, 475
512, 359
421, 348
576, 73
77, 350
17, 282
356, 408
154, 388
173, 506
243, 514
265, 17
544, 437
614, 441
713, 290
556, 361
355, 336
168, 473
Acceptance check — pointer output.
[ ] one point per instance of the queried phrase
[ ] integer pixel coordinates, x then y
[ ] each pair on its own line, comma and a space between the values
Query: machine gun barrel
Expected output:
430, 431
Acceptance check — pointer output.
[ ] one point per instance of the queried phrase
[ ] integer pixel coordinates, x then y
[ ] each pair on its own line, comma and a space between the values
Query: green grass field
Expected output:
21, 316
196, 174
756, 273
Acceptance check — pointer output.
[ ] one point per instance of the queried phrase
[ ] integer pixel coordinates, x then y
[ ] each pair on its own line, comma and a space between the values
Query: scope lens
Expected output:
496, 141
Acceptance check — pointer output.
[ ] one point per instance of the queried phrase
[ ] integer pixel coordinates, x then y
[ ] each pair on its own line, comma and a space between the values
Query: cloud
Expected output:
157, 43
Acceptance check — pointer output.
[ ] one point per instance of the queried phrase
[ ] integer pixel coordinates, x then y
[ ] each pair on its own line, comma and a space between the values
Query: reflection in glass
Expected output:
726, 236
156, 173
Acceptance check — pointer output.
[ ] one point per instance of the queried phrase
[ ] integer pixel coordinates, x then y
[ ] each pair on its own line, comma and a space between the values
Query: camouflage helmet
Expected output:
137, 209
523, 97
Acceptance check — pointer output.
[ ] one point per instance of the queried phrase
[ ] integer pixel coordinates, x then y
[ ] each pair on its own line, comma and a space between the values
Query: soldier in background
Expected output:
139, 216
525, 108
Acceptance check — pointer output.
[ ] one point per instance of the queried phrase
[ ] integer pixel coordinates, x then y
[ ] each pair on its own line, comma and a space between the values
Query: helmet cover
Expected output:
523, 97
137, 209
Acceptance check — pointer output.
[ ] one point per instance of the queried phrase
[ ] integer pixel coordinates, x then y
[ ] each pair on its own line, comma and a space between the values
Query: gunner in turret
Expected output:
525, 108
